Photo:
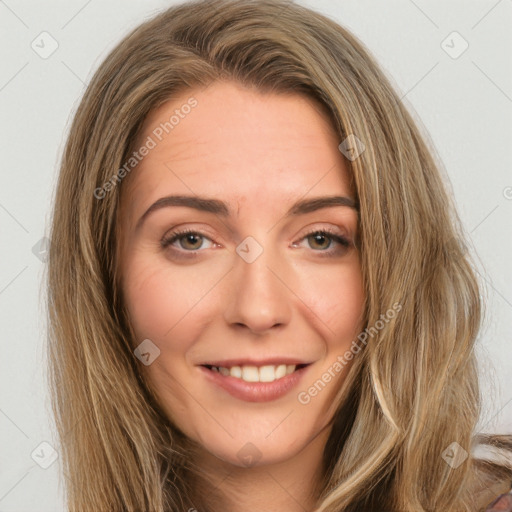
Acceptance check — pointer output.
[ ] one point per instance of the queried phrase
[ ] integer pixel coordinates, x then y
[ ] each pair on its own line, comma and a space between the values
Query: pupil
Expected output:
190, 238
318, 236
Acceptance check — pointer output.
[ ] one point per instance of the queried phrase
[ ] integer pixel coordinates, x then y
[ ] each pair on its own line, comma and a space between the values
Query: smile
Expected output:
255, 383
268, 373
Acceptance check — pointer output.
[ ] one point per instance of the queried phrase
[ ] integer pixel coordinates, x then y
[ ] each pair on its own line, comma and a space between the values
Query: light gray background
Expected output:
464, 103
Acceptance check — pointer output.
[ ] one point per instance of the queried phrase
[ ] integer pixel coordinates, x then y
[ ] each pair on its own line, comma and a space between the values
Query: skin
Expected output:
259, 153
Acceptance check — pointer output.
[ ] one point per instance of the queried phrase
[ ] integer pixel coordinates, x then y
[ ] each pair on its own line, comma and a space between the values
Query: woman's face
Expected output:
250, 288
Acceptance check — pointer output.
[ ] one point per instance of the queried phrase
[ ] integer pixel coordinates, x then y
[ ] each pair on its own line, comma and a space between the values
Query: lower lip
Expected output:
255, 391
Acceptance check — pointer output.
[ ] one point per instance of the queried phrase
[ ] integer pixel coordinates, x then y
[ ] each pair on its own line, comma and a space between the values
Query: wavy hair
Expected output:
412, 391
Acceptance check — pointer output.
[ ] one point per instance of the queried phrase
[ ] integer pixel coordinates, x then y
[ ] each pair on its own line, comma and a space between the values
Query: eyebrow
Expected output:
221, 208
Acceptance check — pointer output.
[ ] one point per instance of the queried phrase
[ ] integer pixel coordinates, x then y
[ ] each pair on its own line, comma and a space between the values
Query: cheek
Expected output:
161, 301
349, 304
169, 303
337, 299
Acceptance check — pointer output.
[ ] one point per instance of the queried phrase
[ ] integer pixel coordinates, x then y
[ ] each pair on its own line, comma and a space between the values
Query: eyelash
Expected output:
176, 235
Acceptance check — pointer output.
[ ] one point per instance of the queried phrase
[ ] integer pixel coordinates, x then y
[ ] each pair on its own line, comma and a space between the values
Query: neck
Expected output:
285, 486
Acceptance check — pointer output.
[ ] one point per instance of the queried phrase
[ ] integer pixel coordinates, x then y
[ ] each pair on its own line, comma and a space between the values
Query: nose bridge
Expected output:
260, 299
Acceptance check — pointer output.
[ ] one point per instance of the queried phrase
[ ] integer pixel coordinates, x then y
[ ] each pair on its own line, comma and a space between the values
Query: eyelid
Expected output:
335, 231
344, 242
169, 238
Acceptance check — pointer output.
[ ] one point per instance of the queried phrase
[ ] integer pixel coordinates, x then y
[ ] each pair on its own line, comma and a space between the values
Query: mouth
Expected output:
252, 373
255, 383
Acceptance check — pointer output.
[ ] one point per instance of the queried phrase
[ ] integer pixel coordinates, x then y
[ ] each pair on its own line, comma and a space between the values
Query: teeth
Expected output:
268, 373
280, 370
250, 374
236, 371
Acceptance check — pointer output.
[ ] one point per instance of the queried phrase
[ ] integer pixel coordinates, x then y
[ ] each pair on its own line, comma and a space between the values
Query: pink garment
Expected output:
503, 503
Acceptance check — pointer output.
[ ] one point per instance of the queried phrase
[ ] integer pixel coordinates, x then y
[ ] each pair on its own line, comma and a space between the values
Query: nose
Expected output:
260, 297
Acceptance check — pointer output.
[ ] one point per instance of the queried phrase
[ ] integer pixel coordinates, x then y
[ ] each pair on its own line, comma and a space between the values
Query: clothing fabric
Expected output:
503, 503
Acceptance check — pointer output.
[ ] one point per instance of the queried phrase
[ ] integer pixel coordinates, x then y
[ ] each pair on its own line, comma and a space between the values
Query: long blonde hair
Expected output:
413, 390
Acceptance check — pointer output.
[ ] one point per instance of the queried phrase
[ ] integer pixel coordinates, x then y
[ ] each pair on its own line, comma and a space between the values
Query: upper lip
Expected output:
271, 361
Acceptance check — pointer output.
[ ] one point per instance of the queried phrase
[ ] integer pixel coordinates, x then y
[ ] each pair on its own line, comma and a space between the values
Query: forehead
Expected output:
237, 142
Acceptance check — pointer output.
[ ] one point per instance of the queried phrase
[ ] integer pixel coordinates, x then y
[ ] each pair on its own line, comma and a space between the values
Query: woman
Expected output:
255, 369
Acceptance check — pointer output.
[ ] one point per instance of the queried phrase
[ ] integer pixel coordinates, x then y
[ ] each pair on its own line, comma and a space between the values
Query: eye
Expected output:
188, 239
321, 236
191, 242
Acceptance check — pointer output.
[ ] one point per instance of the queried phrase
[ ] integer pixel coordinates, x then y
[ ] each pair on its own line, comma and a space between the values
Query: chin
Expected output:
254, 451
